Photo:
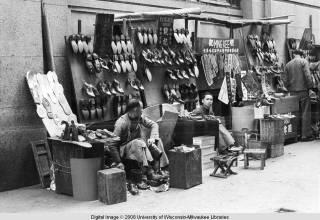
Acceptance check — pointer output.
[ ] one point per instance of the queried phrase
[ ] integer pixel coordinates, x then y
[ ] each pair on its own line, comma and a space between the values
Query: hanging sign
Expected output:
217, 46
165, 30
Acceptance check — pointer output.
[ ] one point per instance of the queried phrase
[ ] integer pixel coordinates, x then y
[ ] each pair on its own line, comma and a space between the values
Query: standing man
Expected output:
297, 79
133, 147
226, 141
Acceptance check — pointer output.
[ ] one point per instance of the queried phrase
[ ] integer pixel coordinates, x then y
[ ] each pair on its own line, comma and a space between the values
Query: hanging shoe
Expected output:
176, 36
139, 84
132, 83
117, 64
73, 43
102, 88
134, 63
189, 42
79, 43
146, 56
84, 108
166, 92
118, 43
139, 35
150, 35
84, 43
123, 64
89, 43
184, 74
171, 75
92, 107
128, 64
123, 44
148, 74
90, 64
111, 88
104, 64
183, 36
155, 37
117, 87
98, 107
129, 45
145, 36
178, 73
96, 63
196, 70
114, 45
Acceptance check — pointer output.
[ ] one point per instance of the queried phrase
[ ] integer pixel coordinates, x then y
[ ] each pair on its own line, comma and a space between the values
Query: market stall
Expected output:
170, 70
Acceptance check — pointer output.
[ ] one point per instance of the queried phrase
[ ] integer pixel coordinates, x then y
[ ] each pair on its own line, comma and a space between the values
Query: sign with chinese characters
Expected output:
217, 46
165, 30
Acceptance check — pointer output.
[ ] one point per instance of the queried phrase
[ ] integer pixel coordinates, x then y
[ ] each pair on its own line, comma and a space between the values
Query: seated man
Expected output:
133, 147
226, 141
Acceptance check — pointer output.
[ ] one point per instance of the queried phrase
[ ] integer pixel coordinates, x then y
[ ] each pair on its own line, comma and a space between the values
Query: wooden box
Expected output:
185, 168
285, 105
271, 131
112, 186
61, 154
273, 150
204, 141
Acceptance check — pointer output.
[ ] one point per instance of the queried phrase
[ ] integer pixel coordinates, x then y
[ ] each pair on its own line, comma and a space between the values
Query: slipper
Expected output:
110, 88
145, 36
49, 90
41, 111
128, 64
98, 107
89, 63
123, 64
88, 89
114, 45
117, 64
176, 36
117, 87
96, 63
148, 74
79, 43
84, 43
134, 63
64, 104
73, 43
118, 43
92, 108
123, 44
90, 43
150, 36
139, 35
155, 37
46, 104
129, 45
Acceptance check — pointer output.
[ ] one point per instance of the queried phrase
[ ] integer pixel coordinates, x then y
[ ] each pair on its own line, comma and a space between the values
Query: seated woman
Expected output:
226, 141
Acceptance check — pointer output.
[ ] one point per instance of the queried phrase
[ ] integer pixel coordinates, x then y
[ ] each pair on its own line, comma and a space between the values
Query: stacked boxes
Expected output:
207, 145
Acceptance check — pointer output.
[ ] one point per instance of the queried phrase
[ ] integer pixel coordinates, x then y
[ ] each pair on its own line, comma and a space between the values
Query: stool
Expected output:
259, 152
224, 163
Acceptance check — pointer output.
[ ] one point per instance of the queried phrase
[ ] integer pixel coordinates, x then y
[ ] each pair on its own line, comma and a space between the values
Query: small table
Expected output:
259, 152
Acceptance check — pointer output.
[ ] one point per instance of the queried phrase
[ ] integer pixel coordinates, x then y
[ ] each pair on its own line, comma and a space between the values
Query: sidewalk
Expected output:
291, 181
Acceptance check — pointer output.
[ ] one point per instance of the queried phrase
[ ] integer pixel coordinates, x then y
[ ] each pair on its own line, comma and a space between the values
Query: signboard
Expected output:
217, 46
165, 30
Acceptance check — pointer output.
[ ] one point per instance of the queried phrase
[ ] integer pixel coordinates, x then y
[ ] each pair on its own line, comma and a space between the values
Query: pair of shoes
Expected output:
146, 36
81, 43
94, 64
122, 43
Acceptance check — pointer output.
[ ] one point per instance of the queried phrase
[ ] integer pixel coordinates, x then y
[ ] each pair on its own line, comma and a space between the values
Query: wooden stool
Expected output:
112, 186
259, 152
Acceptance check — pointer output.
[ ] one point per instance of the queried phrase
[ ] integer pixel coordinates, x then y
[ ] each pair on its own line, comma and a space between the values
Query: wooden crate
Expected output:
112, 186
204, 141
185, 168
273, 150
271, 131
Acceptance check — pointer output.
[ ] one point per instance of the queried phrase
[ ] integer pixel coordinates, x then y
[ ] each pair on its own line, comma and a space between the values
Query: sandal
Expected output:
79, 43
90, 43
84, 43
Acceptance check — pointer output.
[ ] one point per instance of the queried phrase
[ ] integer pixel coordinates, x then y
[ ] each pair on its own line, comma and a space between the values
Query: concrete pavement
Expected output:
291, 181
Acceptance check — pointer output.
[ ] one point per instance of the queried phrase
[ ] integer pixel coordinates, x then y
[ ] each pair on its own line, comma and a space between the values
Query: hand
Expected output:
120, 166
151, 141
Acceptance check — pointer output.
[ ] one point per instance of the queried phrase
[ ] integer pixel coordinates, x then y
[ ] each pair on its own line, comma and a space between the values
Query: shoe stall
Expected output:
146, 57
